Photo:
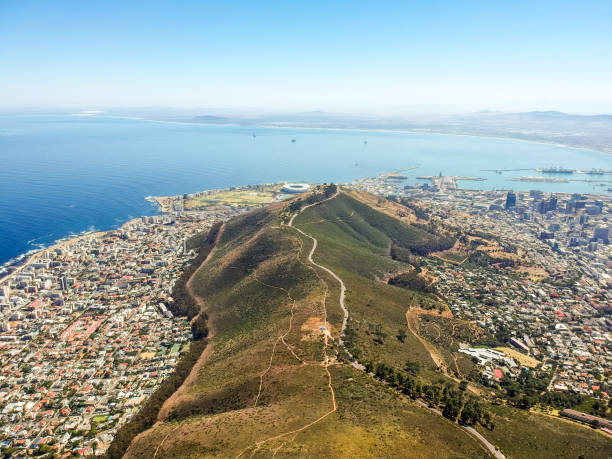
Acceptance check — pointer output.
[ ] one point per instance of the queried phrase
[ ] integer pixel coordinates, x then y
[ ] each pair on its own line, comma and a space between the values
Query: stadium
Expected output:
295, 188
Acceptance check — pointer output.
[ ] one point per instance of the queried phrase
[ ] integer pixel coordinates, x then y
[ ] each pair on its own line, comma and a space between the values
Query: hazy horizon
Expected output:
381, 114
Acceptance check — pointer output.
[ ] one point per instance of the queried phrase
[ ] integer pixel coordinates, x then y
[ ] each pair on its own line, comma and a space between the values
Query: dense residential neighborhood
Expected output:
545, 288
87, 332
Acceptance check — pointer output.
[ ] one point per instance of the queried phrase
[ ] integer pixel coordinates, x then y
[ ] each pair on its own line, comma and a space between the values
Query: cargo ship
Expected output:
555, 170
540, 179
594, 172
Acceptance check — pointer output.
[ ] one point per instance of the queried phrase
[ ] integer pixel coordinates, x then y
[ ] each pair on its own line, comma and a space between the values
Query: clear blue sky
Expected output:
342, 56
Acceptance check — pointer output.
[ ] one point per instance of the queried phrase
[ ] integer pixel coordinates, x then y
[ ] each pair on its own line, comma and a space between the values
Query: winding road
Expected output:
473, 432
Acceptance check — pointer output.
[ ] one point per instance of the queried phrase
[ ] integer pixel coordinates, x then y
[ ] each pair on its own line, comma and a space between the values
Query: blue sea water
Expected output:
66, 174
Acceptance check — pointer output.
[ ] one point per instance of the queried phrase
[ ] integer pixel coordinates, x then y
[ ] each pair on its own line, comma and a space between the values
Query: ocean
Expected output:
61, 175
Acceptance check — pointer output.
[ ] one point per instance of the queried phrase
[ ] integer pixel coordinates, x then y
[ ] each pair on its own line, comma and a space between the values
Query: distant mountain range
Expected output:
582, 131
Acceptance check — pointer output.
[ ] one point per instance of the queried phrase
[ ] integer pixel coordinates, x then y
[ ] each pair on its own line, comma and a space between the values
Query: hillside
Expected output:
277, 380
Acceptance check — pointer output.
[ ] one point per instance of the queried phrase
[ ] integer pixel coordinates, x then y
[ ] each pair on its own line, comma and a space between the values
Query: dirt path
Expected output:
345, 312
172, 401
326, 360
281, 338
494, 451
412, 319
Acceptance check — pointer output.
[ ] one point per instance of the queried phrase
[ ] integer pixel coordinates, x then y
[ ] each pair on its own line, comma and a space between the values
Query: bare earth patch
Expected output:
314, 328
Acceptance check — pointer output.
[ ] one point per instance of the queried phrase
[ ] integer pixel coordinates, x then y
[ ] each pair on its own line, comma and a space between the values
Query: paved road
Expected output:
497, 454
485, 442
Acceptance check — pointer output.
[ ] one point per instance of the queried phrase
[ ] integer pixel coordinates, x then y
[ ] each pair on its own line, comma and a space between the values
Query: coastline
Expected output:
34, 254
161, 205
160, 202
58, 244
366, 130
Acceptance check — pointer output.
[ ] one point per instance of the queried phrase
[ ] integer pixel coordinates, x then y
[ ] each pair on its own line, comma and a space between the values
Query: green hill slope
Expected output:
274, 380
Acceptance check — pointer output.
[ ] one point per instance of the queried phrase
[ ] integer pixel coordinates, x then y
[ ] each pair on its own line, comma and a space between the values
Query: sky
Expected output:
340, 56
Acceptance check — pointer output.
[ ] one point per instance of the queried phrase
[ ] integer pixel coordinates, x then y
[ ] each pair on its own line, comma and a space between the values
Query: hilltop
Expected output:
288, 371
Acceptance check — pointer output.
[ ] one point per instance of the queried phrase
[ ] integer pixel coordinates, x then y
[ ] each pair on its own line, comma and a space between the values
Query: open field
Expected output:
523, 359
533, 272
239, 198
445, 333
452, 257
385, 206
147, 355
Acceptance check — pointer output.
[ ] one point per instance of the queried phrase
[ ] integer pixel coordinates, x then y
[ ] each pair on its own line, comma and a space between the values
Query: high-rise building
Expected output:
601, 233
593, 210
536, 194
547, 205
542, 207
5, 291
510, 200
63, 284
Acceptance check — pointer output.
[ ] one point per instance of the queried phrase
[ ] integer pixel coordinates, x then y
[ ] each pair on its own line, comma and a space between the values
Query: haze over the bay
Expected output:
381, 59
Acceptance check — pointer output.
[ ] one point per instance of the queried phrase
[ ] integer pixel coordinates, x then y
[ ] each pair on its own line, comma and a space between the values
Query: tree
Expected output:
401, 335
452, 409
526, 402
413, 367
469, 414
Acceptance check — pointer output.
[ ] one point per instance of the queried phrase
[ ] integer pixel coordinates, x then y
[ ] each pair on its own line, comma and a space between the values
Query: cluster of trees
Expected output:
421, 241
401, 254
419, 212
529, 389
412, 281
479, 258
350, 340
561, 400
484, 260
524, 392
434, 243
184, 305
454, 402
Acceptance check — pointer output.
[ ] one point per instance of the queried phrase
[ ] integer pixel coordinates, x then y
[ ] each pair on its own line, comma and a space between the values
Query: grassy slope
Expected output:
523, 434
375, 306
217, 416
353, 241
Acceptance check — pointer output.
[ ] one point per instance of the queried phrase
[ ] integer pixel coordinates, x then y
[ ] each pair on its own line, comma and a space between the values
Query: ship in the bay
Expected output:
555, 170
